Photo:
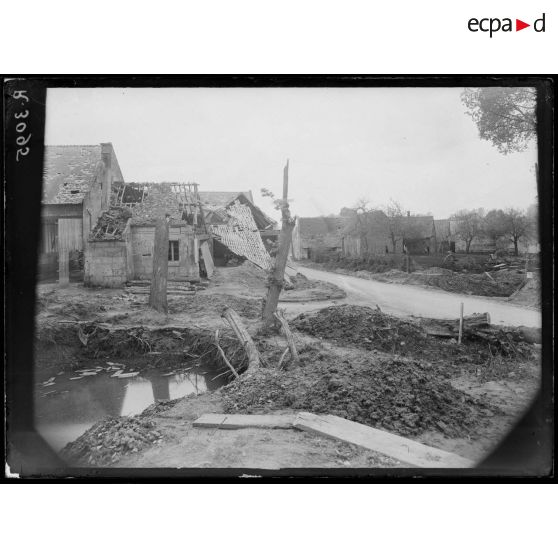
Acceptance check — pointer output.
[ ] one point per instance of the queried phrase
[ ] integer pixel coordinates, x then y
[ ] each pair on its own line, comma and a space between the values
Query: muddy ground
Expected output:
356, 362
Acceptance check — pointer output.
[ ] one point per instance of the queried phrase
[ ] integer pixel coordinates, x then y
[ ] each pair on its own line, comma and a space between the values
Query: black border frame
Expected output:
22, 220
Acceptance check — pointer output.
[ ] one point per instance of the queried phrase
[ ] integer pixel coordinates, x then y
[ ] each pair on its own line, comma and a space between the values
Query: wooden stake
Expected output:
244, 337
278, 273
158, 291
222, 353
288, 334
282, 358
460, 325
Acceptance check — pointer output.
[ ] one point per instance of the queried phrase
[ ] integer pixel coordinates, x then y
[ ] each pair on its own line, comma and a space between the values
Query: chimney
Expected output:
106, 157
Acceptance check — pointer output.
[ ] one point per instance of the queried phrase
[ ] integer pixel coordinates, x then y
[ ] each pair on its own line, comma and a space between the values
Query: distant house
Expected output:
317, 234
419, 234
77, 185
445, 239
367, 233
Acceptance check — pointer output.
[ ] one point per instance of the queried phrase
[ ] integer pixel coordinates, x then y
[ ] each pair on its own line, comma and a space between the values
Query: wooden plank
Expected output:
231, 422
405, 450
208, 260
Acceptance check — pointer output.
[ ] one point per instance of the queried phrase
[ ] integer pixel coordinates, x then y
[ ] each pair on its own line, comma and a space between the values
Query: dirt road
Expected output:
407, 300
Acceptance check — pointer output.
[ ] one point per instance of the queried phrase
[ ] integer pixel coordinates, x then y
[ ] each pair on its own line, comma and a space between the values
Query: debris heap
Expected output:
111, 224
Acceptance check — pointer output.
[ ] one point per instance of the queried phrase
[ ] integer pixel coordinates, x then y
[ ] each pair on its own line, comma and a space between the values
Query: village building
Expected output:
445, 236
312, 235
365, 233
419, 234
358, 234
77, 184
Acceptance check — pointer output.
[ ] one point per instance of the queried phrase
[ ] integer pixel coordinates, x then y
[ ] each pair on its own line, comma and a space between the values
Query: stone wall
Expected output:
105, 263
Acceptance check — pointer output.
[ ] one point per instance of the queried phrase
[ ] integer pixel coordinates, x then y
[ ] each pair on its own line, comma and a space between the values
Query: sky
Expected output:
416, 146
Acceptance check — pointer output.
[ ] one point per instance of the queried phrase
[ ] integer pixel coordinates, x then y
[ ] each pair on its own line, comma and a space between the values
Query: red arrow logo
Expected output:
519, 25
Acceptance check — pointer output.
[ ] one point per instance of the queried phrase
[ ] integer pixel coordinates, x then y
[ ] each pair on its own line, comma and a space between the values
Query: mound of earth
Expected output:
403, 395
371, 329
105, 442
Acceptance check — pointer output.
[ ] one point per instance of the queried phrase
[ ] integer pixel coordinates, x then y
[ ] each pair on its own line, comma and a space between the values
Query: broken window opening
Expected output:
173, 251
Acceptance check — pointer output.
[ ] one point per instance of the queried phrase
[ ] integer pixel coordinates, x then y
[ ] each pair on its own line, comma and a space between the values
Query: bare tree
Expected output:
504, 116
468, 226
494, 225
394, 213
517, 226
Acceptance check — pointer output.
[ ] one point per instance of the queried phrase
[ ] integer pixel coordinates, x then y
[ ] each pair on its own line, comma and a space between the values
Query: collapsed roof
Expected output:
241, 236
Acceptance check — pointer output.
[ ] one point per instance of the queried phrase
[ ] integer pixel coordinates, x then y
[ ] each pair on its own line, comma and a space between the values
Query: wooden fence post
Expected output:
460, 325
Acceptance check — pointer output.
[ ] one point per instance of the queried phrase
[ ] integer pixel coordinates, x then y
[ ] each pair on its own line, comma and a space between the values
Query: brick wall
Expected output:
105, 263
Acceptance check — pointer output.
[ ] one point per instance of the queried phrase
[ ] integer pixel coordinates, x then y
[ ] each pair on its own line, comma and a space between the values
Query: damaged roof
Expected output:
164, 198
69, 171
241, 236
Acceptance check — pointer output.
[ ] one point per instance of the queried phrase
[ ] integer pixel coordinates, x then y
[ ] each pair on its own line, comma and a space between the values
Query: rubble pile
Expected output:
107, 441
402, 395
111, 224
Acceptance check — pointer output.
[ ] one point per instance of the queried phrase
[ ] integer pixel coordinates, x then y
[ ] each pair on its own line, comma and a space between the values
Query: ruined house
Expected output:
77, 183
239, 227
120, 248
313, 235
204, 228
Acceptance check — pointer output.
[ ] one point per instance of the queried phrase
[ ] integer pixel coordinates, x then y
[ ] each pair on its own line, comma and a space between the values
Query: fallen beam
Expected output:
404, 450
231, 422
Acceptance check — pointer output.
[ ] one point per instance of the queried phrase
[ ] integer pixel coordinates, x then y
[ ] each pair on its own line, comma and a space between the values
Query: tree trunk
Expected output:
468, 245
158, 292
278, 273
515, 249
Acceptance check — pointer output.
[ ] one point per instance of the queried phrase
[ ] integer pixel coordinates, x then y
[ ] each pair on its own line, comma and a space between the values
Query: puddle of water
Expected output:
67, 408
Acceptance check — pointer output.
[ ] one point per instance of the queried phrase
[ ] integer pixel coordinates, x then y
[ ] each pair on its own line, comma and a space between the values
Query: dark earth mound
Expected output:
403, 395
